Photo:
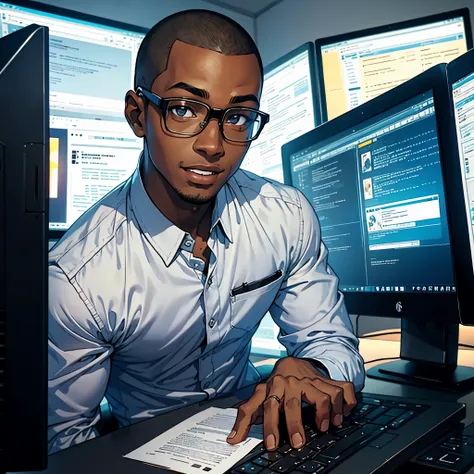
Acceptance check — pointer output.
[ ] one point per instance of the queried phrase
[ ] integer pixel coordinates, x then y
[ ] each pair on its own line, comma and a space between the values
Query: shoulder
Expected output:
91, 232
257, 188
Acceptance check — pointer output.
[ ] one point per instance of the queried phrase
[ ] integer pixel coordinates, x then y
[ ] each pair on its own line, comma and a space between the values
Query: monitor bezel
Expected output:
309, 47
422, 306
56, 234
321, 42
458, 219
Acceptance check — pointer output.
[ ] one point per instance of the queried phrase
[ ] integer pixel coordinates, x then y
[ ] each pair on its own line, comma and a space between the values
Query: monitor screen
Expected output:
92, 148
287, 95
378, 191
356, 67
463, 97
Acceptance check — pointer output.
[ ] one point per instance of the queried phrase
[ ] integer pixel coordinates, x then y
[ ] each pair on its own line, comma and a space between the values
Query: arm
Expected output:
79, 366
311, 312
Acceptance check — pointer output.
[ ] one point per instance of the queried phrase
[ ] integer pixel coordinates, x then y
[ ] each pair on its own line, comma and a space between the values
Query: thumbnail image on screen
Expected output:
287, 96
379, 195
92, 148
359, 69
463, 97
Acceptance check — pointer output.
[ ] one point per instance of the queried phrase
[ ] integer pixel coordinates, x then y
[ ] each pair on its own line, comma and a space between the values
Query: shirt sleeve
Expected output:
79, 366
310, 310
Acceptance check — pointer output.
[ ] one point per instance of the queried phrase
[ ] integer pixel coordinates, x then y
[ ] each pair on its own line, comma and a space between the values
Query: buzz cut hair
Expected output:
201, 28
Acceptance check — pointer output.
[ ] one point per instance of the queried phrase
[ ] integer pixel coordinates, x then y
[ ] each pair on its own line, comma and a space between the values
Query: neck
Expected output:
192, 218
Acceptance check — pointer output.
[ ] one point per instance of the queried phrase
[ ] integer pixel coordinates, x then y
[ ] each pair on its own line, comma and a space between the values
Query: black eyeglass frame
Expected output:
212, 112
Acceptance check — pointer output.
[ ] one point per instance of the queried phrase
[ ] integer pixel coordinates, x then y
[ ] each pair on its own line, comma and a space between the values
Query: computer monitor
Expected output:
375, 178
288, 96
24, 170
460, 173
357, 66
92, 64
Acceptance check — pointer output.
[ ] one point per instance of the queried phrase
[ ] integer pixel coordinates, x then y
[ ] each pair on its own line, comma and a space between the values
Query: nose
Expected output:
209, 142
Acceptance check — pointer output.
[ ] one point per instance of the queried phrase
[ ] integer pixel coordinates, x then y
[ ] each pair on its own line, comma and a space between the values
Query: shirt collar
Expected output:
163, 235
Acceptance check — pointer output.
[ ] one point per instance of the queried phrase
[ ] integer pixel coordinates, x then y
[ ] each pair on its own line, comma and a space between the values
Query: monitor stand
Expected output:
428, 353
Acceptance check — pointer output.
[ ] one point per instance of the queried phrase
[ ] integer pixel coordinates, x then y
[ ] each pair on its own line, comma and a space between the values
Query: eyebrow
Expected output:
205, 94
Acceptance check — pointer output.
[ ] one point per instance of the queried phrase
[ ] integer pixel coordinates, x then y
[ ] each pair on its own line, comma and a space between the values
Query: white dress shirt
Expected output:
132, 316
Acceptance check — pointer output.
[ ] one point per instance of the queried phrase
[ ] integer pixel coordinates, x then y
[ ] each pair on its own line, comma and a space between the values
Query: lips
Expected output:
202, 175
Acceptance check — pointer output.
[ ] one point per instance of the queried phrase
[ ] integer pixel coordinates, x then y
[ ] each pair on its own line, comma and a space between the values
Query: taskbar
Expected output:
398, 289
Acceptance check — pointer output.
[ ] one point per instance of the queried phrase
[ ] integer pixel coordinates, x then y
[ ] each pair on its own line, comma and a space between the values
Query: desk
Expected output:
105, 454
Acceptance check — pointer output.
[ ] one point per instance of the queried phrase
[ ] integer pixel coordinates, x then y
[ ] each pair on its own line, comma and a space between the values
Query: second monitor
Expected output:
357, 66
374, 177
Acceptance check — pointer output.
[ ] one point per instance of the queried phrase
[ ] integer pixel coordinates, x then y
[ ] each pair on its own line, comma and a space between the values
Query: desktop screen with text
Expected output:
360, 69
463, 95
287, 96
379, 195
92, 148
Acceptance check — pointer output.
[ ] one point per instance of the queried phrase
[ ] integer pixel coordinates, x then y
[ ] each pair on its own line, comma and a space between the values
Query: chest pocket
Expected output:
250, 301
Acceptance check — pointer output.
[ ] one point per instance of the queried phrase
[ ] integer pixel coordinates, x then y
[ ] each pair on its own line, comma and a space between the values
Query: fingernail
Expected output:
270, 442
325, 425
232, 434
338, 420
297, 440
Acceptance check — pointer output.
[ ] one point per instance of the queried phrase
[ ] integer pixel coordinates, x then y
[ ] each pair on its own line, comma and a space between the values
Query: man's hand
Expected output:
291, 382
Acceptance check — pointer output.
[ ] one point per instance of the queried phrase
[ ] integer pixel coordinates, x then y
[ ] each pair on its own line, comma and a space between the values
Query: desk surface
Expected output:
105, 454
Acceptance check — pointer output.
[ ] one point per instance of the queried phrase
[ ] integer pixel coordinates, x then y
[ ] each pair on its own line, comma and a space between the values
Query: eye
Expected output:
238, 119
182, 111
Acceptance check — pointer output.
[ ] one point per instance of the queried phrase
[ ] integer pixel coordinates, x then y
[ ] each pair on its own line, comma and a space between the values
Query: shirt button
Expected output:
211, 323
196, 265
187, 243
209, 282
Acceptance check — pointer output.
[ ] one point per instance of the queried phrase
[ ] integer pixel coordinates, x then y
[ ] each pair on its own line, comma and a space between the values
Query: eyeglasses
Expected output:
188, 117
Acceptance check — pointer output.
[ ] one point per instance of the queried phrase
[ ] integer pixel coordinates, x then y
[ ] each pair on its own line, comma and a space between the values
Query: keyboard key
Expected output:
321, 442
361, 411
285, 448
396, 412
345, 430
376, 413
322, 460
261, 461
311, 467
337, 449
383, 420
402, 419
372, 401
449, 458
263, 471
302, 453
248, 468
285, 464
271, 456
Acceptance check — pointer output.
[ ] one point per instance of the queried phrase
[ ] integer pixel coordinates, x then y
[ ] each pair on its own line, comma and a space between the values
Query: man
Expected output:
156, 291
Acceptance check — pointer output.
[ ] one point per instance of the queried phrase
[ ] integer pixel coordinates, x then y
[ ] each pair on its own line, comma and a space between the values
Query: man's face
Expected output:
216, 80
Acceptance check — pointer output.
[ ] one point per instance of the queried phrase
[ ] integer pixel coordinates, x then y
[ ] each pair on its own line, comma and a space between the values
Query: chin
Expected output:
196, 197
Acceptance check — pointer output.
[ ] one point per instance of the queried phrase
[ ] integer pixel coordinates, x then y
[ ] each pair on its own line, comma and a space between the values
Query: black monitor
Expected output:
357, 66
460, 173
374, 176
92, 61
24, 171
289, 96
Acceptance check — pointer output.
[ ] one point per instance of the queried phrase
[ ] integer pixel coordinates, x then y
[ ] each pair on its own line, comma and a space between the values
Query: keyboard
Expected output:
453, 452
380, 434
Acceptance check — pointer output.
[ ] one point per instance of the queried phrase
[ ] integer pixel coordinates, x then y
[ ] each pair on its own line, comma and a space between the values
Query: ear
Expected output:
135, 113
